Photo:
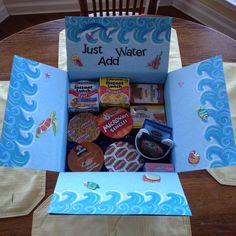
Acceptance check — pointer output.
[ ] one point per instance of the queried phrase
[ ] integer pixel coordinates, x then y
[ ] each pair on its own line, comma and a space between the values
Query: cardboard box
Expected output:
196, 104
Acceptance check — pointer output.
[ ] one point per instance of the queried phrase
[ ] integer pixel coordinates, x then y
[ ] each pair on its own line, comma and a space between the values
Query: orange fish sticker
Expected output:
193, 157
77, 60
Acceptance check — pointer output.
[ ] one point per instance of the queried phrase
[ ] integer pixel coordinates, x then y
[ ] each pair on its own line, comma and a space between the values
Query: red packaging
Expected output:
115, 122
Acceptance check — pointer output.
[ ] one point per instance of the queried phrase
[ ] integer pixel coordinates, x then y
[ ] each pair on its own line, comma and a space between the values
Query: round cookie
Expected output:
86, 157
83, 128
122, 156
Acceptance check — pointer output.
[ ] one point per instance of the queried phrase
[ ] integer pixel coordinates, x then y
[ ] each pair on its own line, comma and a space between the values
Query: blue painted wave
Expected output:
214, 96
16, 133
133, 203
104, 28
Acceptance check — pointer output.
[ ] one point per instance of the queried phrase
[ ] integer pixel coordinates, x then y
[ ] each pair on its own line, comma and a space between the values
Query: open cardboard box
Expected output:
123, 47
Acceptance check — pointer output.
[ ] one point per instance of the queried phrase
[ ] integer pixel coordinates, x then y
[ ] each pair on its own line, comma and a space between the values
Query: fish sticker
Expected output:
193, 157
91, 185
46, 124
154, 64
77, 60
151, 178
202, 113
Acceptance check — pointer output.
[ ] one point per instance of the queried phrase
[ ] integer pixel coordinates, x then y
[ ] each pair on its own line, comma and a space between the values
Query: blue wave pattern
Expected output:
133, 203
16, 133
214, 95
105, 28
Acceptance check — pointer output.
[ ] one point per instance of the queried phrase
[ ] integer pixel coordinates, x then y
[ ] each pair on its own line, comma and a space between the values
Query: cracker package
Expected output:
147, 94
152, 112
114, 92
83, 96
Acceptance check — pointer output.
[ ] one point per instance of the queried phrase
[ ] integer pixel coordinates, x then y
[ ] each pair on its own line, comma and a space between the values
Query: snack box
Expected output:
83, 96
152, 112
147, 94
34, 133
114, 92
158, 167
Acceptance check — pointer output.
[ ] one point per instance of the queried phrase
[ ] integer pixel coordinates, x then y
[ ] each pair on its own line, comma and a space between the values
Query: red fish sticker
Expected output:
193, 157
155, 63
77, 60
46, 124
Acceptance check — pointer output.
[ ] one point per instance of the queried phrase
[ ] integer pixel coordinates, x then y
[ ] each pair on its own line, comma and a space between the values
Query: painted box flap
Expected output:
124, 194
133, 47
35, 117
198, 111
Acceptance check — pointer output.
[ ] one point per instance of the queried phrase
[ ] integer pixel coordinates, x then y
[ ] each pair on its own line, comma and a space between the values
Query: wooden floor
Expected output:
14, 24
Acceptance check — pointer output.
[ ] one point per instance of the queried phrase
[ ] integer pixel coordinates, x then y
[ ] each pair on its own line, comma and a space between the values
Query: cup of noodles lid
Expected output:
83, 128
86, 157
122, 156
115, 122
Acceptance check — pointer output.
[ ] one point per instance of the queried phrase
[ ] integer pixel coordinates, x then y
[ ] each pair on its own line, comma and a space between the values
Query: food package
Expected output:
152, 112
83, 96
122, 156
147, 94
114, 92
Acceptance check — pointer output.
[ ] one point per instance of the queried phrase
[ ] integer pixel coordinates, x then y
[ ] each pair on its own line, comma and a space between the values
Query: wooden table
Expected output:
213, 205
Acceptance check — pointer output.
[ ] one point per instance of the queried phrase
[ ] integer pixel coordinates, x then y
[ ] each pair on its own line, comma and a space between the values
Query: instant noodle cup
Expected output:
115, 122
86, 157
83, 128
114, 92
122, 156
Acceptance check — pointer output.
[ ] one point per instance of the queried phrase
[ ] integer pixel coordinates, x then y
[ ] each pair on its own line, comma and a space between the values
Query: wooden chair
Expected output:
117, 8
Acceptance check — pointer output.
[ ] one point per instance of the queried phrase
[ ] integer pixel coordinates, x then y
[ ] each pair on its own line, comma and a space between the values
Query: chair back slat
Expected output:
100, 8
127, 7
107, 7
134, 7
94, 8
83, 8
141, 7
115, 7
120, 7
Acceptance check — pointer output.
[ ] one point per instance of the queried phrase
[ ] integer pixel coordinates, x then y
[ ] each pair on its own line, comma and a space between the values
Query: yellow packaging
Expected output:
114, 92
152, 112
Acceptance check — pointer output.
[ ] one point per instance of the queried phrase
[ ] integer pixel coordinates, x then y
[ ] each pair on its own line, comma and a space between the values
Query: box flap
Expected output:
33, 134
133, 47
198, 111
119, 193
